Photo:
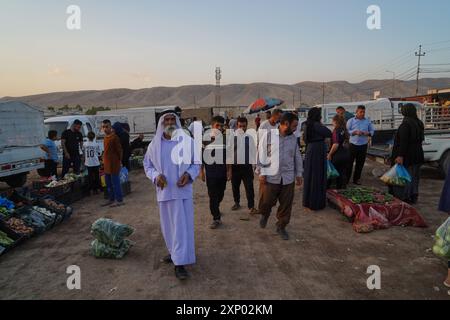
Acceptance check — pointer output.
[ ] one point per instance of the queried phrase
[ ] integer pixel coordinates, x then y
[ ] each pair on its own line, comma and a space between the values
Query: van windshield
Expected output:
59, 127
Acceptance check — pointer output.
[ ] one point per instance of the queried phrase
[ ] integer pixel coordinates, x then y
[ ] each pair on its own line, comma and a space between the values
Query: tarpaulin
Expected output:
367, 217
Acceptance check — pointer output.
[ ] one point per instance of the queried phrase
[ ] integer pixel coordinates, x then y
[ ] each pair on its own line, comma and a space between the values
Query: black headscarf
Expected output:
409, 112
314, 116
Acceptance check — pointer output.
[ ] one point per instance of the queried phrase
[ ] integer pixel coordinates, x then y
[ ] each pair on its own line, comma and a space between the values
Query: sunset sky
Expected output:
137, 44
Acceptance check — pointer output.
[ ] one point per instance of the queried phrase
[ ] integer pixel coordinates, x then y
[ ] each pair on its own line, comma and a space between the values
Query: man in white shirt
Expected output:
271, 124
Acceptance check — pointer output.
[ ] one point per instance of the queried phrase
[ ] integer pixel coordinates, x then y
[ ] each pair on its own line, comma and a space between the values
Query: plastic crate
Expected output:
17, 238
40, 184
23, 214
62, 213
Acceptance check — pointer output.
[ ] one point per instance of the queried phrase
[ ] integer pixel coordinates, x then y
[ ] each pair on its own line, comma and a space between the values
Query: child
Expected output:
91, 161
112, 163
51, 160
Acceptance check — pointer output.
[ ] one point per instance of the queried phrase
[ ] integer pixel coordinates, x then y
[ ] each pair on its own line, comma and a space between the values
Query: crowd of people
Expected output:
345, 146
114, 156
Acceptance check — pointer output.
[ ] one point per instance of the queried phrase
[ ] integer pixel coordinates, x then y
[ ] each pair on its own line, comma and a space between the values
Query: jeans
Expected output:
74, 162
114, 188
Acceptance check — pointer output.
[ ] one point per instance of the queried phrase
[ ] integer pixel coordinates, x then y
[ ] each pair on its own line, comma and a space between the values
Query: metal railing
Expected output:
433, 116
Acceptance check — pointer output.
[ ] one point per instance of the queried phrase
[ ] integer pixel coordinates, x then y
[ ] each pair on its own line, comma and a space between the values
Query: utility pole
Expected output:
393, 82
419, 55
300, 95
323, 93
218, 78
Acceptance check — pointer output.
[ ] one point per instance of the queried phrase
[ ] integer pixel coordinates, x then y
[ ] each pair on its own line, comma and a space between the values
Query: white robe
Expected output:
175, 204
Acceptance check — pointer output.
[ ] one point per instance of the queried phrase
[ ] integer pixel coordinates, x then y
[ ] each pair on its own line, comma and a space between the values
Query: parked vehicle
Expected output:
141, 120
21, 134
90, 123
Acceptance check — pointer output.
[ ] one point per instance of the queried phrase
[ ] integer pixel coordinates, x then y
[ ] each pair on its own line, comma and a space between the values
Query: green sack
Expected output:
110, 232
102, 250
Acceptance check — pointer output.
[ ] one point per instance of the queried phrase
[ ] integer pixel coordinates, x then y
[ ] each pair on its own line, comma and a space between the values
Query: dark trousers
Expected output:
358, 154
270, 194
74, 162
114, 188
94, 178
341, 181
51, 168
216, 191
242, 173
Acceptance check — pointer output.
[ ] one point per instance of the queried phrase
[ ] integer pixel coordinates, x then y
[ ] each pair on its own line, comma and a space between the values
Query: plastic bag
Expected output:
441, 247
397, 176
102, 250
331, 170
110, 232
123, 175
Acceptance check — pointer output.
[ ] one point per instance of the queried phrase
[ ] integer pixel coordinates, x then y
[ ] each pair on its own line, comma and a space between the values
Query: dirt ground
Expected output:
325, 258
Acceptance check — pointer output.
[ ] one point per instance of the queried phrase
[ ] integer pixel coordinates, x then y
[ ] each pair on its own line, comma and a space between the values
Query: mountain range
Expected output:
307, 92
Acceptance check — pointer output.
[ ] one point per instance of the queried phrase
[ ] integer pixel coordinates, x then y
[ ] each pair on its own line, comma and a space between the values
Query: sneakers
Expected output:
283, 234
263, 222
181, 273
167, 259
253, 211
118, 204
215, 224
236, 207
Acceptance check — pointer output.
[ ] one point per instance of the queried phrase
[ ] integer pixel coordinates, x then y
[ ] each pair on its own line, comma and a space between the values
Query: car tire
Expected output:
17, 180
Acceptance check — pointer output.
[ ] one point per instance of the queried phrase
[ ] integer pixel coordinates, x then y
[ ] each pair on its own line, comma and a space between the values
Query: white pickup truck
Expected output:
21, 134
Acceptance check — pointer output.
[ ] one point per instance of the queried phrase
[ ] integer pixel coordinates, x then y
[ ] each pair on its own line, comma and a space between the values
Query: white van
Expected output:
89, 123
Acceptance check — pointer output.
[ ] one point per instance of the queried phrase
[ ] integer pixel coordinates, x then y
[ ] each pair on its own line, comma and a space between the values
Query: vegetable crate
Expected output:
63, 211
40, 184
16, 238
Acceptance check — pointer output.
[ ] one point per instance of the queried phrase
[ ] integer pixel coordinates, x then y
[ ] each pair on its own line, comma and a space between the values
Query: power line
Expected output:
419, 55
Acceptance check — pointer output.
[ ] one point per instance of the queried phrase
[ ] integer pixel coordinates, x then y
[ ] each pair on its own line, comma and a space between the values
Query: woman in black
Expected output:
408, 152
339, 153
315, 170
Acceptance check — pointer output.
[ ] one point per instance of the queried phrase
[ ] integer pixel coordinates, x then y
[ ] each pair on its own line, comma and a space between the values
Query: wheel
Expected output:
17, 180
444, 163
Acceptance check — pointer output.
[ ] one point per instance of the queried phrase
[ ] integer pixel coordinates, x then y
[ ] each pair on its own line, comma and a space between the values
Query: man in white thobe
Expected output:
173, 175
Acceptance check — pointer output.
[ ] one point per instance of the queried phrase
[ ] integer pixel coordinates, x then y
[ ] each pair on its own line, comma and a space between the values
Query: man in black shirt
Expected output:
242, 171
217, 171
72, 142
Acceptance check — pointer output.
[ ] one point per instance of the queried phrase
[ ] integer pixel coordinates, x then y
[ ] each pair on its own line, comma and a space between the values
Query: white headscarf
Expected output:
154, 149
